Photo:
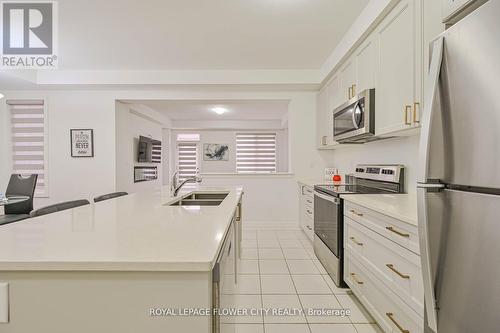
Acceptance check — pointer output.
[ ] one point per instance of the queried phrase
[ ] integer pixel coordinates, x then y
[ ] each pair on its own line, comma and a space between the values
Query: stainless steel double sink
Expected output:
201, 199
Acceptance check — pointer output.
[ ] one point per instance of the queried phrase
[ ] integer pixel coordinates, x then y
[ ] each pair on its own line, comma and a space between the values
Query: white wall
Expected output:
72, 178
129, 126
229, 137
402, 150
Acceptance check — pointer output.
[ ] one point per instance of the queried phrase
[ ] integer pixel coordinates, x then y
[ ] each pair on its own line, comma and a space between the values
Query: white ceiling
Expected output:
201, 110
201, 34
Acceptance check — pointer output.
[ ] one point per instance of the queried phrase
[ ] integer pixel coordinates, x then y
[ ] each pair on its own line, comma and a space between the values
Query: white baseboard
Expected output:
286, 225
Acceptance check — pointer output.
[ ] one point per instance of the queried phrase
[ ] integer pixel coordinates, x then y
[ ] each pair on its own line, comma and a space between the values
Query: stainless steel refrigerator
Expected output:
459, 177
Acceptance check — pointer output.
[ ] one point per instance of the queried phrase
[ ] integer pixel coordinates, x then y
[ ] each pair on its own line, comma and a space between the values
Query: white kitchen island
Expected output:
114, 265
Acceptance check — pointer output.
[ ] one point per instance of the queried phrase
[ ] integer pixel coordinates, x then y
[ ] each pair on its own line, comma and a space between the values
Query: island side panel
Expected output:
82, 302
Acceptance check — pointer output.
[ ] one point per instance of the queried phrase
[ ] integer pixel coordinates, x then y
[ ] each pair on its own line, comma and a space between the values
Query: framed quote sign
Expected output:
82, 142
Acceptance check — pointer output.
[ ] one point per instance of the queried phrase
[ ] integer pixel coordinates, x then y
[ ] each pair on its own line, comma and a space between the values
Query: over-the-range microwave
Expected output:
354, 121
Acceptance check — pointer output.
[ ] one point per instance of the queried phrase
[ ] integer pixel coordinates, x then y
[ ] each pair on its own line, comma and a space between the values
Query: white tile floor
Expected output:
279, 270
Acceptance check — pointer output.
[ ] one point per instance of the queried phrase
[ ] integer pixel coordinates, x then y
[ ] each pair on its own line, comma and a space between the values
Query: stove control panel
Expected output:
387, 173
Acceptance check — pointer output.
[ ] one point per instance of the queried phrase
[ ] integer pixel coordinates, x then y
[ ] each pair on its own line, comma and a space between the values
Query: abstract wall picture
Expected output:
215, 152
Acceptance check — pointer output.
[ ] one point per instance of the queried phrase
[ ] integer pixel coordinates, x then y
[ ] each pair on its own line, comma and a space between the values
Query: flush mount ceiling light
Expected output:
219, 110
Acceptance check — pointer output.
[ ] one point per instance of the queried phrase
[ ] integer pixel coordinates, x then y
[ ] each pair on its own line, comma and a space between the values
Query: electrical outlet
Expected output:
4, 302
329, 172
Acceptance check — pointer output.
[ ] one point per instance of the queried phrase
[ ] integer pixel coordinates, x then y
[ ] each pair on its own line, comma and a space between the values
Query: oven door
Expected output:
349, 121
328, 221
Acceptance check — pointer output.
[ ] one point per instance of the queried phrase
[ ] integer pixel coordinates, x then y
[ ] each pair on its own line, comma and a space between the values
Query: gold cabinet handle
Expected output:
349, 92
356, 279
416, 106
402, 234
400, 328
356, 242
407, 109
353, 90
355, 213
403, 276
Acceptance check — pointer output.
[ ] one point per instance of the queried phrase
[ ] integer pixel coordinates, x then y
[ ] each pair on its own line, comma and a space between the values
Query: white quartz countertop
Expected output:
399, 206
137, 232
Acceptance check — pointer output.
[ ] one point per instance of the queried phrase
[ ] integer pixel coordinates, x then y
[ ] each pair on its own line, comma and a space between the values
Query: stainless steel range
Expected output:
329, 211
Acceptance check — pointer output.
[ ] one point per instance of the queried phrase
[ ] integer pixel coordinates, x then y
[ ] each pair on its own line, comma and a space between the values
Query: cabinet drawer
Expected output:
306, 191
398, 268
354, 276
309, 212
309, 201
307, 224
391, 313
398, 231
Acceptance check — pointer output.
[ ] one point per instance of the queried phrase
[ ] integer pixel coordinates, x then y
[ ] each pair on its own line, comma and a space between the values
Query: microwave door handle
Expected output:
354, 122
422, 190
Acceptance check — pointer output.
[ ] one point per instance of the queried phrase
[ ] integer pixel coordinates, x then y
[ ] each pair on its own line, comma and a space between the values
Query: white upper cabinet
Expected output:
366, 60
321, 107
399, 74
348, 80
328, 99
390, 60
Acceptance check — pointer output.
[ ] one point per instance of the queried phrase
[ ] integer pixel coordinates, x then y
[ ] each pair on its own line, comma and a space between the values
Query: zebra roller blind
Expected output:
187, 159
255, 152
28, 141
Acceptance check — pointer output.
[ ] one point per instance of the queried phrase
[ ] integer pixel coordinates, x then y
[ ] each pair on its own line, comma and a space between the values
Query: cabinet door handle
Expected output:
403, 276
355, 213
402, 234
416, 106
400, 328
349, 92
356, 242
353, 90
407, 109
238, 212
356, 279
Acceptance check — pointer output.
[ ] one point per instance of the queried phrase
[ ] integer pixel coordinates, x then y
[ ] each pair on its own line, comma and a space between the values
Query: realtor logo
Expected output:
28, 32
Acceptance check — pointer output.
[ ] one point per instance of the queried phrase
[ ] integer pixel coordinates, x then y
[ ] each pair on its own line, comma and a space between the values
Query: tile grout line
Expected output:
260, 283
297, 293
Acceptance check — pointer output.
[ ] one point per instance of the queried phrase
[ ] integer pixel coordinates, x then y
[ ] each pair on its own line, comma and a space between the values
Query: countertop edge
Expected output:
72, 266
356, 199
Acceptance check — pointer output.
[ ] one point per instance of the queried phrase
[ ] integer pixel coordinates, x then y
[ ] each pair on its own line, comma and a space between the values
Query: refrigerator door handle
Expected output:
425, 257
423, 188
431, 91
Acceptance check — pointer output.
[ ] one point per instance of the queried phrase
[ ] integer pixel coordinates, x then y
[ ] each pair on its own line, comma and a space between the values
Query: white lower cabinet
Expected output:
385, 275
306, 211
390, 312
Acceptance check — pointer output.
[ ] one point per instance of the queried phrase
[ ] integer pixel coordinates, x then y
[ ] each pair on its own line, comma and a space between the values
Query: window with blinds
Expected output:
255, 152
28, 141
187, 159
